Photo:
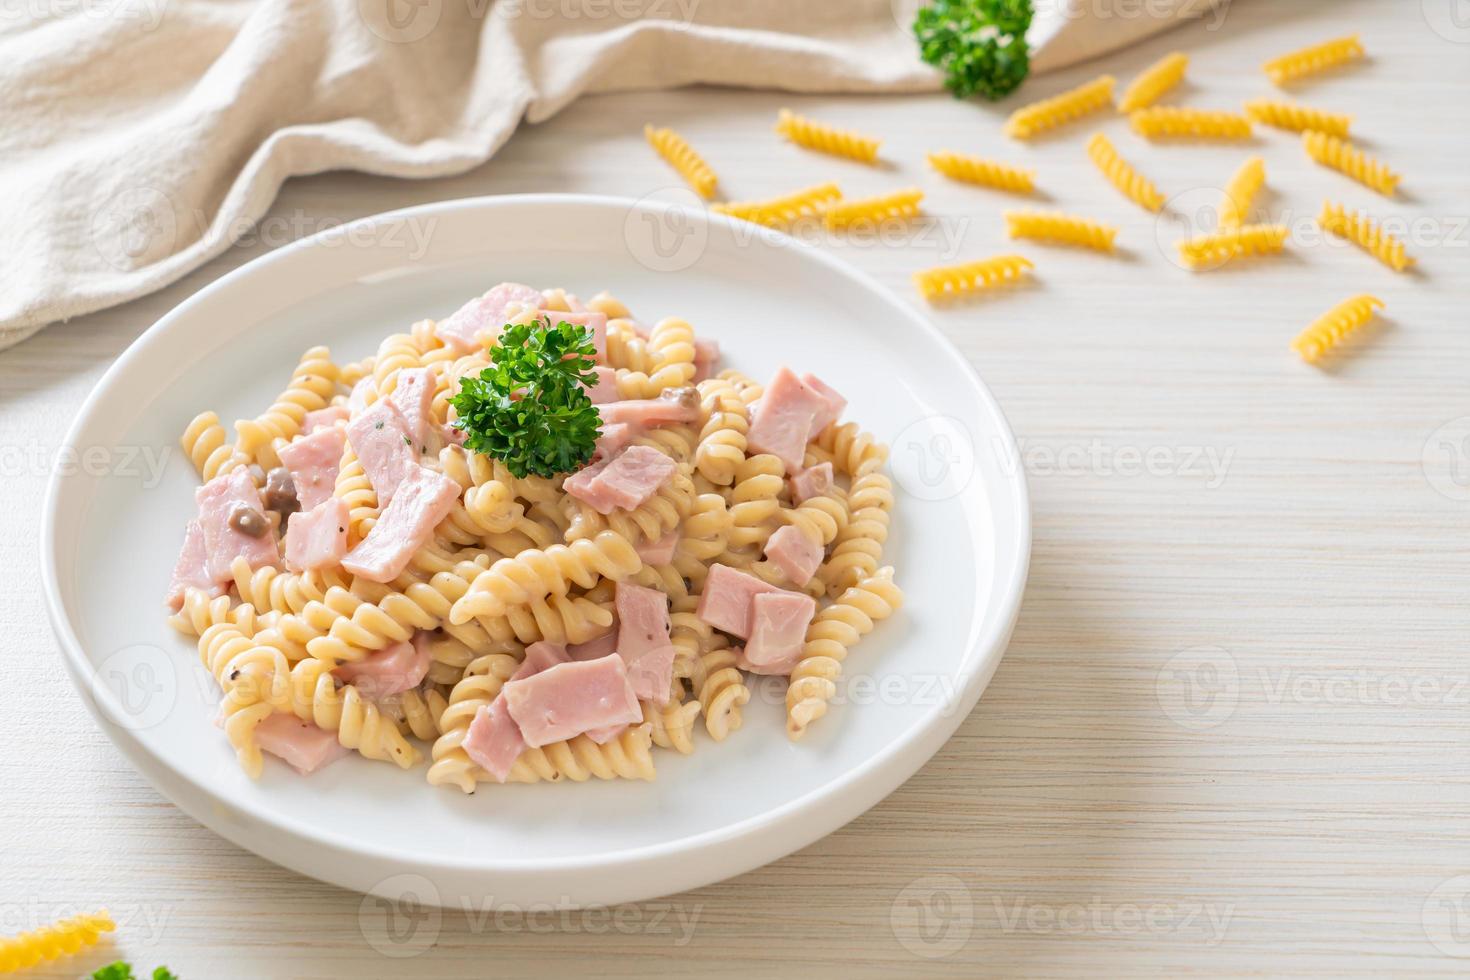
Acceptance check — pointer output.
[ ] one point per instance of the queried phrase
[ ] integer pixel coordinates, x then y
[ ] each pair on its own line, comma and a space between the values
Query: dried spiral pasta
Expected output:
1038, 117
1240, 193
1214, 250
1178, 121
681, 156
1121, 174
950, 281
778, 212
1328, 330
1345, 158
1364, 232
1065, 229
826, 139
1153, 82
63, 937
1298, 118
870, 211
986, 173
1313, 59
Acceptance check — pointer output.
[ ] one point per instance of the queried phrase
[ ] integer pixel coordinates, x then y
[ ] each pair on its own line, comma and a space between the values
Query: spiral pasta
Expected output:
1328, 330
535, 574
870, 211
722, 437
579, 759
1153, 82
986, 173
1038, 117
312, 386
1313, 59
681, 156
826, 139
482, 681
778, 212
1342, 156
1364, 232
1241, 192
1214, 250
1298, 118
209, 449
832, 634
1167, 121
64, 937
754, 506
1120, 173
950, 281
1066, 229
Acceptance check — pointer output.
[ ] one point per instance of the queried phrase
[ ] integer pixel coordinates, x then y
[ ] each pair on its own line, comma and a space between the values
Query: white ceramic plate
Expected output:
961, 543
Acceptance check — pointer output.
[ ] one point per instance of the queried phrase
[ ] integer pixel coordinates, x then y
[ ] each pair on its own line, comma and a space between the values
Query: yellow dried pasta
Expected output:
986, 173
62, 938
949, 281
1313, 59
1298, 118
1120, 173
871, 210
1328, 330
826, 139
681, 156
1212, 251
1038, 117
778, 212
1165, 121
1241, 191
1154, 81
1345, 158
1364, 232
1066, 229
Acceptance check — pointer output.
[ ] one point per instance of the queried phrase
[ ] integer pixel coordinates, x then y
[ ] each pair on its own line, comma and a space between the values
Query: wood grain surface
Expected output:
1232, 731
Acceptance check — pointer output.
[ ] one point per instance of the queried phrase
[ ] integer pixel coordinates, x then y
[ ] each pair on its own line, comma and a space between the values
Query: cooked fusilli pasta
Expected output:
1120, 173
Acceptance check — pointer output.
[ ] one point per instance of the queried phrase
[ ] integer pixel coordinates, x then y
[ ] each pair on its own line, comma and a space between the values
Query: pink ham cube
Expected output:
614, 439
313, 461
598, 646
833, 403
323, 418
302, 745
784, 418
191, 571
390, 671
794, 553
625, 481
778, 630
493, 741
676, 406
725, 603
317, 538
811, 482
483, 318
659, 552
643, 641
413, 397
385, 447
706, 357
219, 500
572, 698
605, 389
422, 501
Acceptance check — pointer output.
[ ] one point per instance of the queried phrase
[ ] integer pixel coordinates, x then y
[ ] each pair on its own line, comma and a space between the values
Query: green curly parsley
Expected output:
980, 45
124, 971
530, 408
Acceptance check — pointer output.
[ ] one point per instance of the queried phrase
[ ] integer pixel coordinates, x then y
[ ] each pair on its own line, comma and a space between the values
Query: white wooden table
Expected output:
1231, 733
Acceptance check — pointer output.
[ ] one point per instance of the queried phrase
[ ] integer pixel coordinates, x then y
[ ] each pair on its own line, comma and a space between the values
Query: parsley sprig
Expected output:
530, 408
980, 45
124, 971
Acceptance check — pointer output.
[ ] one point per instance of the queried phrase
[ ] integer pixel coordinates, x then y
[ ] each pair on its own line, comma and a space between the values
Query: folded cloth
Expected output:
142, 137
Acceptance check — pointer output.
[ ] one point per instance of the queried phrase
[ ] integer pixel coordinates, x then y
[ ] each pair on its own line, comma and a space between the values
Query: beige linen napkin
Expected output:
141, 137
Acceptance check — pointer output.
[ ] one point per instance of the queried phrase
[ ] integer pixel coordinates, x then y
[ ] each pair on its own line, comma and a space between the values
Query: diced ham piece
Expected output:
676, 406
323, 418
422, 501
794, 553
385, 447
834, 403
494, 741
598, 646
572, 698
706, 356
389, 671
811, 482
596, 322
625, 481
317, 538
413, 397
778, 625
643, 641
604, 735
359, 397
613, 440
659, 552
606, 388
218, 499
313, 461
191, 571
784, 418
483, 314
302, 745
725, 603
775, 670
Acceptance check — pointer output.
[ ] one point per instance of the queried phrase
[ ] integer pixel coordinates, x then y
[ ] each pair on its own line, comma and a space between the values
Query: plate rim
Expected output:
945, 718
